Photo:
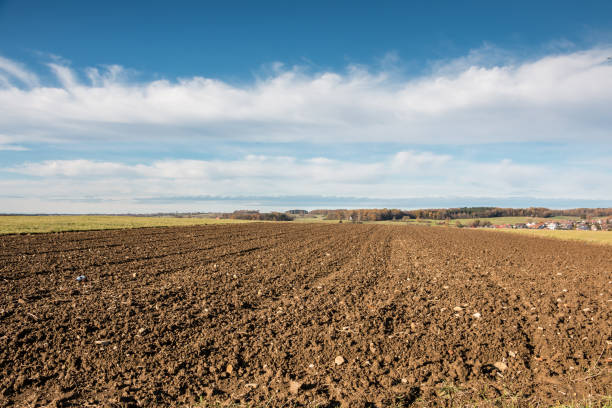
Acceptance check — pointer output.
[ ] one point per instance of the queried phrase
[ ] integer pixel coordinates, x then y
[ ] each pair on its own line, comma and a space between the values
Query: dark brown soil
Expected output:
262, 314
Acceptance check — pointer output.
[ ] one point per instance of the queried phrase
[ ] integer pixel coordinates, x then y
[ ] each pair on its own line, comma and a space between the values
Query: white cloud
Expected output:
13, 148
557, 98
6, 143
413, 159
405, 174
16, 70
65, 75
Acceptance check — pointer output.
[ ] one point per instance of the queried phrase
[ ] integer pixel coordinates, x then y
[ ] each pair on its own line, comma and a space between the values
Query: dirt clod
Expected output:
294, 387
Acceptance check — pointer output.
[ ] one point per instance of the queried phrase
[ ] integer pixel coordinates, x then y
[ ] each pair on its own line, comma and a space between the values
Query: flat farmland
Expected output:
273, 314
29, 224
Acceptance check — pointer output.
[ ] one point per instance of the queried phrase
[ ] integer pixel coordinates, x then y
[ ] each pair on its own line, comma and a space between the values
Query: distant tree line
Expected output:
363, 214
475, 224
455, 213
255, 215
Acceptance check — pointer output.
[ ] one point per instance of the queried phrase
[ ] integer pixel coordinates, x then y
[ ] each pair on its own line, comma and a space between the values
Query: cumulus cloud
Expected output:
556, 98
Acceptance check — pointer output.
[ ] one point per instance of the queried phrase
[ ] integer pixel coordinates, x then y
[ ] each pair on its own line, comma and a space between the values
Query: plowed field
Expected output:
308, 315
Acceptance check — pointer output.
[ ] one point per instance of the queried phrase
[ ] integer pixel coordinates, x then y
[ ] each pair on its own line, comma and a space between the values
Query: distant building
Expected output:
296, 212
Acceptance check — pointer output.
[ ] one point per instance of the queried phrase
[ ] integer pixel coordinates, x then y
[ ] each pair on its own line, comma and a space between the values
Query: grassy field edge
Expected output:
35, 224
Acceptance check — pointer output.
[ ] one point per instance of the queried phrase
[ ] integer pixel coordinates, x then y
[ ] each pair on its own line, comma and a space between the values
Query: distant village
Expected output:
601, 224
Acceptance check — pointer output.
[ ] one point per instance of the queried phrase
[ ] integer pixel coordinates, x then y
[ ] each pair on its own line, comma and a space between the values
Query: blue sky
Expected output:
187, 106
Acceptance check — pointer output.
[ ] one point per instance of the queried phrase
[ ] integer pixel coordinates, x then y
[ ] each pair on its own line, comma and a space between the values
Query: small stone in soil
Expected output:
501, 366
339, 360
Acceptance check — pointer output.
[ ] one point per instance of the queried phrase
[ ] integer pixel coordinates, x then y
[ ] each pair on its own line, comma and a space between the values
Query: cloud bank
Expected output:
556, 98
404, 174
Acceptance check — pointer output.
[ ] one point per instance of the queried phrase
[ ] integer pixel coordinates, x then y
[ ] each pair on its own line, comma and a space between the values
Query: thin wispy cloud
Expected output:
7, 143
404, 174
13, 70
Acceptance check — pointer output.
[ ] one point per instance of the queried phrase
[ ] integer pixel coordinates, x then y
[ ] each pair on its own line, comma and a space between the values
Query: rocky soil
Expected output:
278, 314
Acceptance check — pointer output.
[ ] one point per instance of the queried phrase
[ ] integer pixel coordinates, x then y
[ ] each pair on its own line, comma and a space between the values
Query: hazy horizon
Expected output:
282, 204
